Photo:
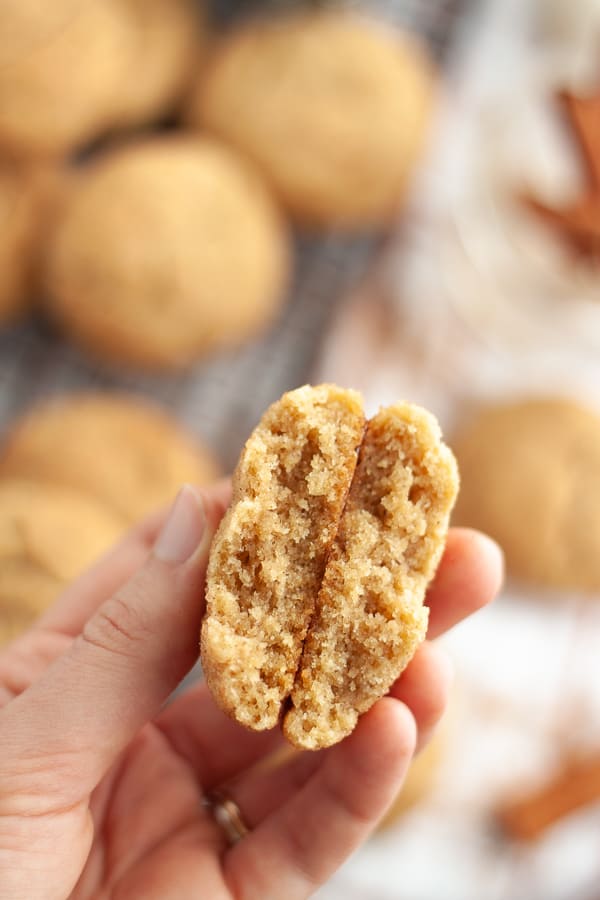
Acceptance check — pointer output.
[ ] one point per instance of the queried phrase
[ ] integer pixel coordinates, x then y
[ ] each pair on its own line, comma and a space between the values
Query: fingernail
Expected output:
184, 528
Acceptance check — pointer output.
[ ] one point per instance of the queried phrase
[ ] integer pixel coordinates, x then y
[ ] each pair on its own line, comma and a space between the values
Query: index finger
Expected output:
469, 577
82, 598
308, 837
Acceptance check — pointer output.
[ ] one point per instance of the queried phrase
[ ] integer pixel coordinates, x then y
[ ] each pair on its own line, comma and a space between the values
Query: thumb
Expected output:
63, 733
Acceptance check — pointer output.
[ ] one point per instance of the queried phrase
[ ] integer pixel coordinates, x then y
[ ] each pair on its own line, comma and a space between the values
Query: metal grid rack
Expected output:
222, 399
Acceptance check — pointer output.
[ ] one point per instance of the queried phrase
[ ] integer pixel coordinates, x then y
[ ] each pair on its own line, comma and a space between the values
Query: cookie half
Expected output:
322, 653
370, 617
269, 555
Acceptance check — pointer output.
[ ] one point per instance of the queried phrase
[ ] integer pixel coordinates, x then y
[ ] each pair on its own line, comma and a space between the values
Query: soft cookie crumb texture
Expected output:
370, 616
269, 555
317, 576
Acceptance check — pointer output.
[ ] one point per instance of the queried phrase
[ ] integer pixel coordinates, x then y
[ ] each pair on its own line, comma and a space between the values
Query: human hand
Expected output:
102, 789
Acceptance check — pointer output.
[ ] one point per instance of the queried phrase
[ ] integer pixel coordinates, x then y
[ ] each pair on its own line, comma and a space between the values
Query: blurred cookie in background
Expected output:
58, 96
28, 24
331, 107
86, 67
167, 40
168, 249
48, 536
530, 473
130, 455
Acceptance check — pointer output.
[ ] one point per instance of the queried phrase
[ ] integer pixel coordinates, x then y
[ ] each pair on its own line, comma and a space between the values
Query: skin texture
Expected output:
101, 788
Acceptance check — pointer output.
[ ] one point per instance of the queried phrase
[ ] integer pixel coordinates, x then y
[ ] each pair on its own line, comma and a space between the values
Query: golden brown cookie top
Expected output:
167, 39
168, 248
531, 479
48, 536
58, 95
330, 106
131, 455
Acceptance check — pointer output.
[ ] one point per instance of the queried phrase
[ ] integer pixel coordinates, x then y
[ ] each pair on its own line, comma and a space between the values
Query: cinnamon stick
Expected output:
577, 785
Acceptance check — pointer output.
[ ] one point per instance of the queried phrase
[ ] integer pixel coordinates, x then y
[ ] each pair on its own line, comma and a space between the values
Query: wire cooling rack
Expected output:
222, 399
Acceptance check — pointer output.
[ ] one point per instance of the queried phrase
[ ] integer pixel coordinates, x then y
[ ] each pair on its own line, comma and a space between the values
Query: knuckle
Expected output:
37, 783
118, 627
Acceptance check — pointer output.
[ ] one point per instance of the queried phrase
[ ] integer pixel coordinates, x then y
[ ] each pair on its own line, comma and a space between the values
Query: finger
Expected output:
215, 746
262, 790
308, 837
90, 703
469, 577
424, 687
218, 748
81, 599
26, 658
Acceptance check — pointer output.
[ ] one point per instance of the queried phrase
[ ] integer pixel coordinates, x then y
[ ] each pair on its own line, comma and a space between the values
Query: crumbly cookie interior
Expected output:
318, 572
370, 616
269, 556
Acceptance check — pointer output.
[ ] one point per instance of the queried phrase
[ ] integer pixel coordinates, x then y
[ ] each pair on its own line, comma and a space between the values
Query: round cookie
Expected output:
531, 479
166, 43
59, 95
48, 536
168, 249
332, 108
130, 455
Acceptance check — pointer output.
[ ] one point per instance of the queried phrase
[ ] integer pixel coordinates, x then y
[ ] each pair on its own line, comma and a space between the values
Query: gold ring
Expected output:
227, 815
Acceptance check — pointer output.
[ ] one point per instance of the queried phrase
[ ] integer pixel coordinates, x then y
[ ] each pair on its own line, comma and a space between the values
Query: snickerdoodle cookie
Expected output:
48, 536
318, 572
531, 479
167, 38
167, 249
331, 107
129, 454
60, 94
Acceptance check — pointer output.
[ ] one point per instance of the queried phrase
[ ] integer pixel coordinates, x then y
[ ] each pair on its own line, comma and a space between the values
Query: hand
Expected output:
101, 787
